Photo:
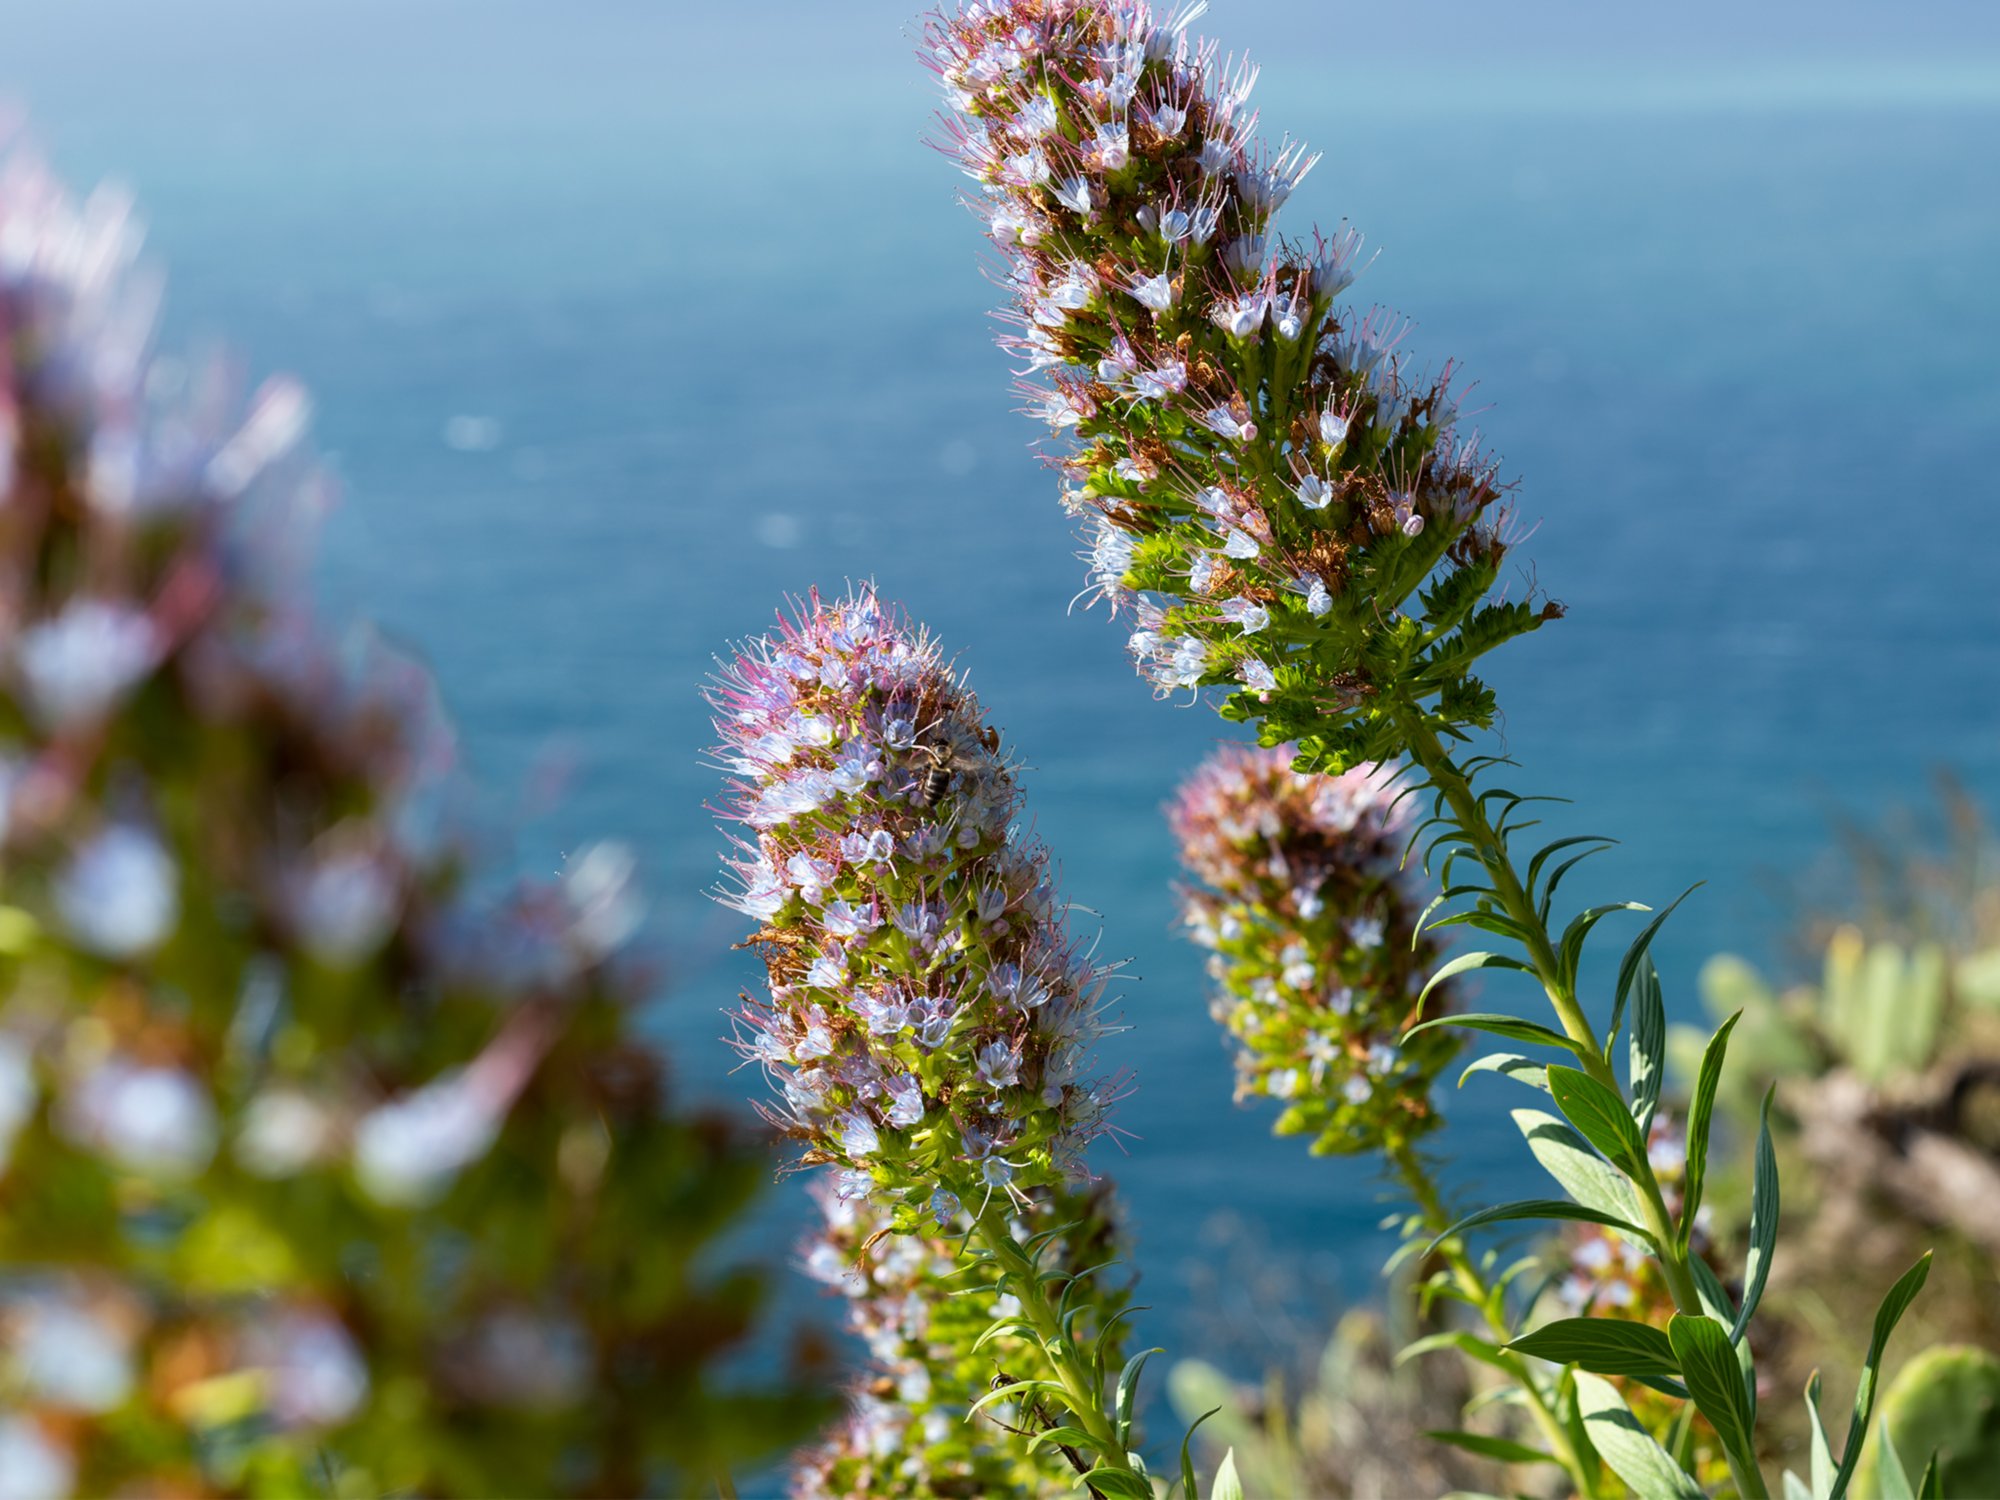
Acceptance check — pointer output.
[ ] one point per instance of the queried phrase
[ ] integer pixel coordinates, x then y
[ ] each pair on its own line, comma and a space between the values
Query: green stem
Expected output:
1474, 1286
1065, 1360
1469, 815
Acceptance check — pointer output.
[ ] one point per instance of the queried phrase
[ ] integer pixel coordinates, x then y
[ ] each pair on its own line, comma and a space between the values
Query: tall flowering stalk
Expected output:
318, 1172
929, 1017
1295, 517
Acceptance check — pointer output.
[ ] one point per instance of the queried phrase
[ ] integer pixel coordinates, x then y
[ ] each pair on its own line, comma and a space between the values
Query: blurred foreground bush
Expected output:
321, 1168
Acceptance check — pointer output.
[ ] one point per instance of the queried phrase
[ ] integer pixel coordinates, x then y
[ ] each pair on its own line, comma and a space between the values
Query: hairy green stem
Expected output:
1472, 1283
1066, 1361
1469, 815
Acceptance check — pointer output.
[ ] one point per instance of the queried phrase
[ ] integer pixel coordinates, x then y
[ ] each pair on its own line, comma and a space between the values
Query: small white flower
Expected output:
77, 665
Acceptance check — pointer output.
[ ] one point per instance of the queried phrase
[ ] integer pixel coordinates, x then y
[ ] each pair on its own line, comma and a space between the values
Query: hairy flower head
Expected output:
1301, 899
929, 1018
1251, 446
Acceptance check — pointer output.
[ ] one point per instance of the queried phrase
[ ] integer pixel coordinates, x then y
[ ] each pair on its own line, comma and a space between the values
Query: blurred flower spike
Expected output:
1310, 922
1265, 480
298, 1138
929, 1019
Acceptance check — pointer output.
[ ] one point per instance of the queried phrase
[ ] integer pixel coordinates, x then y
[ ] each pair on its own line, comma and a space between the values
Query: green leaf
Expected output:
1542, 856
1569, 952
1700, 1115
1601, 1116
1628, 967
1067, 1437
1468, 1344
1006, 1327
1649, 1045
1931, 1486
1511, 1027
1567, 1157
1504, 1449
1189, 1488
1465, 963
1714, 1380
1892, 1480
1795, 1487
1894, 1305
1512, 1065
1763, 1222
1824, 1470
1226, 1486
1538, 1208
1716, 1302
1109, 1481
1018, 1387
1557, 875
1626, 1447
1128, 1385
1604, 1346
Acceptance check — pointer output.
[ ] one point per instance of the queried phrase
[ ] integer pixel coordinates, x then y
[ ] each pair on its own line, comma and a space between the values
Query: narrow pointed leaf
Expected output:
1465, 963
1600, 1116
1511, 1064
1701, 1115
1931, 1486
1627, 1449
1894, 1305
1649, 1045
1019, 1387
1892, 1480
1717, 1303
1763, 1222
1795, 1487
1824, 1469
1511, 1027
1066, 1437
1503, 1449
1557, 875
1109, 1481
1468, 1344
1538, 1208
1128, 1385
1569, 953
1189, 1484
1542, 856
1604, 1346
1628, 967
1226, 1486
1714, 1379
1581, 1172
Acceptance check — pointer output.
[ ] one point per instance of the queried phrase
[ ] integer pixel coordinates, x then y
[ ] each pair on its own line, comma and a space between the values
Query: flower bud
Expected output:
1309, 918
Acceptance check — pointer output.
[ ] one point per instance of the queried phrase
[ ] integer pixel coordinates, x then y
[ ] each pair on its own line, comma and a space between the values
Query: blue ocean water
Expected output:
627, 324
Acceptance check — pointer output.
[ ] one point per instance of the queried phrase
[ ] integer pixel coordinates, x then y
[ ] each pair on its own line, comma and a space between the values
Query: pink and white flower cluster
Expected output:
1265, 478
1301, 897
930, 1018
